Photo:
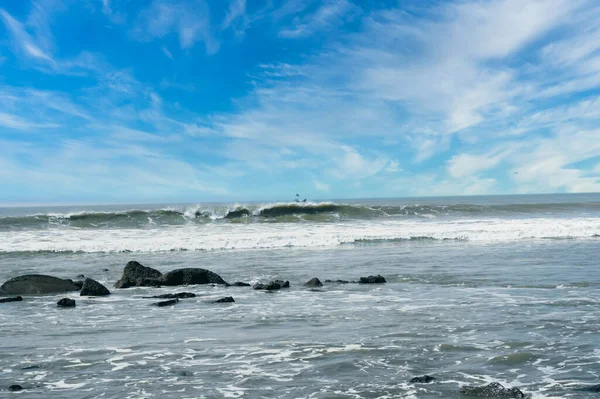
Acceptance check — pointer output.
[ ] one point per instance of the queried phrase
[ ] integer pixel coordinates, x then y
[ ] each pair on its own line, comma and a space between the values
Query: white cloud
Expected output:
462, 165
237, 9
166, 52
321, 186
19, 123
23, 41
326, 17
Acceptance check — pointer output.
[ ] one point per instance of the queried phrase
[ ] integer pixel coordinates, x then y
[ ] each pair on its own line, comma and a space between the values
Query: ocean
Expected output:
479, 289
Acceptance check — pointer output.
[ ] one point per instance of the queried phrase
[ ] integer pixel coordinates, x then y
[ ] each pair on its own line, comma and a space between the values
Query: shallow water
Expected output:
522, 311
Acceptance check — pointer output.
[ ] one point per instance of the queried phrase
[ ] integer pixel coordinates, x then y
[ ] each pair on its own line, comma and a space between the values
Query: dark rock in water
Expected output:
314, 282
179, 295
93, 288
425, 379
227, 299
166, 303
36, 284
191, 276
15, 388
66, 303
272, 285
32, 367
337, 281
493, 390
238, 213
105, 270
371, 280
137, 275
80, 276
13, 299
78, 284
240, 284
591, 388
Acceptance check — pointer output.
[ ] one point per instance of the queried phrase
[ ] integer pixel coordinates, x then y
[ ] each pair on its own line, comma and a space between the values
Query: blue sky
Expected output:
204, 100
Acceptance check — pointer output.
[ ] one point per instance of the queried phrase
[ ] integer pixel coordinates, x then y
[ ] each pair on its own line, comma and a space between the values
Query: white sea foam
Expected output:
251, 236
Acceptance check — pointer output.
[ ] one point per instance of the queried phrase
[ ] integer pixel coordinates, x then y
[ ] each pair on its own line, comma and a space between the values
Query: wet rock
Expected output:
337, 281
425, 379
80, 276
191, 276
179, 295
32, 367
313, 282
227, 299
105, 270
36, 284
493, 390
166, 303
137, 275
78, 284
15, 388
591, 388
240, 284
66, 303
93, 288
272, 285
13, 299
372, 280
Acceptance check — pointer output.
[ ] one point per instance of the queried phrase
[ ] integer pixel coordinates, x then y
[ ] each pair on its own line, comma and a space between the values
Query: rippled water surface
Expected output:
479, 289
525, 314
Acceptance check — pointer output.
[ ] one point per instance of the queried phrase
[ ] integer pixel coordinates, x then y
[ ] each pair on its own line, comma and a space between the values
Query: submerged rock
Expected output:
240, 284
13, 299
493, 390
15, 388
591, 388
78, 284
93, 288
337, 281
313, 282
179, 295
372, 280
36, 284
32, 367
425, 379
227, 299
166, 303
272, 285
66, 303
80, 276
191, 276
137, 275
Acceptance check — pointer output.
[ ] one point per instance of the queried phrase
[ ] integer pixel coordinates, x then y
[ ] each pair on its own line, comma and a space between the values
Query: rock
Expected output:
36, 284
371, 280
178, 295
32, 367
13, 299
137, 275
78, 284
105, 270
80, 276
591, 388
66, 303
15, 388
493, 390
313, 282
166, 303
240, 284
425, 379
227, 299
272, 285
191, 276
93, 288
337, 281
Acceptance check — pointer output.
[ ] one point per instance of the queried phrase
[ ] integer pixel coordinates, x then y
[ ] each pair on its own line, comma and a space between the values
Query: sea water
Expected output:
479, 289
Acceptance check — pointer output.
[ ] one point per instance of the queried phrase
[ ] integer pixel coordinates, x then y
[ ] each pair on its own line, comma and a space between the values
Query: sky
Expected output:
131, 101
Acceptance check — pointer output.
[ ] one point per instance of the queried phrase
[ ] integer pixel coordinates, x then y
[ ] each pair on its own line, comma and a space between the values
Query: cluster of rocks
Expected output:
493, 390
137, 275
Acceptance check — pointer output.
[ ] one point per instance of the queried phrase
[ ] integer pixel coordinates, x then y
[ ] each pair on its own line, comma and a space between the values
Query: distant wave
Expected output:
284, 212
242, 236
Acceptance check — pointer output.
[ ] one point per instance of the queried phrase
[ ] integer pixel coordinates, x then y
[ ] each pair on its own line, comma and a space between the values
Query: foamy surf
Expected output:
211, 237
